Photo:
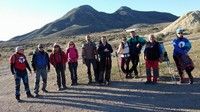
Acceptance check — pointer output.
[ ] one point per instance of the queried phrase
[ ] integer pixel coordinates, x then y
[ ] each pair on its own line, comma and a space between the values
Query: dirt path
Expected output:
131, 95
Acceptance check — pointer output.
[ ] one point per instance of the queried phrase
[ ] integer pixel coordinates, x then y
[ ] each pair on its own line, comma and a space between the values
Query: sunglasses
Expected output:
180, 33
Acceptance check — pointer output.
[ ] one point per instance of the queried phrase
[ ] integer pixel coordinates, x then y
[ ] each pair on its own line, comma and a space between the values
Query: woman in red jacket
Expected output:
72, 58
58, 60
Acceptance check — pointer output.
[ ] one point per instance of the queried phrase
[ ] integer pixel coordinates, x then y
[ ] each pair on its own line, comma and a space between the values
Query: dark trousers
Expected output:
40, 72
24, 77
179, 66
60, 71
73, 71
125, 64
88, 63
105, 68
134, 60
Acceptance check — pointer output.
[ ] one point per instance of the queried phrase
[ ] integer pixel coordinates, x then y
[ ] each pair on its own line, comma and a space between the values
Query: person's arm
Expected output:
48, 61
83, 51
142, 41
33, 62
27, 66
110, 48
188, 46
52, 59
12, 64
119, 49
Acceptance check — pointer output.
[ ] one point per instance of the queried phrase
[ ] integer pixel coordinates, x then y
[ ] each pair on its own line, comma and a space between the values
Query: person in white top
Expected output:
125, 56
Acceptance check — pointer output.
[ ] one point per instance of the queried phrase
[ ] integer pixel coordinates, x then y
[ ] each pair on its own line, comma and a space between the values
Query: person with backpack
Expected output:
180, 54
18, 66
41, 65
58, 60
72, 58
89, 55
135, 45
123, 49
152, 56
104, 51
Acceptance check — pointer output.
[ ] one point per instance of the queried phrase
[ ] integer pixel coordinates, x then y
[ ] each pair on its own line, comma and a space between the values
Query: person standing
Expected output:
41, 65
18, 65
152, 56
180, 54
58, 60
125, 56
135, 45
72, 58
104, 51
89, 55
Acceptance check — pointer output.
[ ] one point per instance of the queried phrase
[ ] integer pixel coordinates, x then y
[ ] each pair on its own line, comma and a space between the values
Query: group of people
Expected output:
101, 60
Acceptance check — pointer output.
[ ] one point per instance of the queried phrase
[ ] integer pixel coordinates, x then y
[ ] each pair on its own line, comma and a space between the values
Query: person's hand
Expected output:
31, 73
106, 50
138, 45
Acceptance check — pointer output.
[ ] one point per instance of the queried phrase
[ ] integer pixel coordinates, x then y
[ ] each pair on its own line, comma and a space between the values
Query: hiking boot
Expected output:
44, 90
59, 89
29, 95
18, 98
64, 87
107, 83
148, 82
136, 76
37, 95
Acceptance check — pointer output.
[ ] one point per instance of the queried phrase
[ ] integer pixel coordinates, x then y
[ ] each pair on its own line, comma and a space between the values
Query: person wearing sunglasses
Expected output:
183, 62
41, 66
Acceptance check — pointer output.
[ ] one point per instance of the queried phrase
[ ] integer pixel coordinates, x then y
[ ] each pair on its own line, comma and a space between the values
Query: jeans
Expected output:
73, 71
60, 70
40, 72
88, 63
24, 77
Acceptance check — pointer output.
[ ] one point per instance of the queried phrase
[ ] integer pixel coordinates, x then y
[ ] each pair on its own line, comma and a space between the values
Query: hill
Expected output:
86, 19
189, 21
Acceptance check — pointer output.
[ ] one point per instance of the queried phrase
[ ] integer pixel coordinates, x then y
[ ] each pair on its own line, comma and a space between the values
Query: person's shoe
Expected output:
59, 89
18, 98
29, 95
191, 81
154, 82
37, 95
148, 82
89, 83
136, 76
64, 87
44, 90
107, 83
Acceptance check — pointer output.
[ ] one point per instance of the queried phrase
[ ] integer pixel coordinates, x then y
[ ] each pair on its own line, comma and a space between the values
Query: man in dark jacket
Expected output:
104, 51
18, 65
89, 53
41, 65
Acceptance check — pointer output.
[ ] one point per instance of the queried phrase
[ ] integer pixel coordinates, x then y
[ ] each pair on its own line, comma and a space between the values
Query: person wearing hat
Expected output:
135, 45
180, 54
58, 60
41, 65
18, 65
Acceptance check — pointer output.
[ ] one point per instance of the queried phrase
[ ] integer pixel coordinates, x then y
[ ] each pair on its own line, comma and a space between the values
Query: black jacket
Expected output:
102, 53
152, 51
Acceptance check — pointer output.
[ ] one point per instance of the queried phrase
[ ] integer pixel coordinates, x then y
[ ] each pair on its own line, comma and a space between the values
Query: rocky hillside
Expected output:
189, 21
86, 19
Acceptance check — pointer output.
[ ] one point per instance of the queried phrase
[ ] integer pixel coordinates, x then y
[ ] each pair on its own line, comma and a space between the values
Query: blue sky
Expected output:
18, 17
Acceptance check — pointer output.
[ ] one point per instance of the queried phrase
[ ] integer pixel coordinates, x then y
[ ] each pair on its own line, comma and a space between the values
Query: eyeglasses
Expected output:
180, 33
41, 47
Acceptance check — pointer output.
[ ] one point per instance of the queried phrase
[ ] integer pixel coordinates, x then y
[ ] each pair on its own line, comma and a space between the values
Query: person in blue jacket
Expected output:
181, 48
41, 65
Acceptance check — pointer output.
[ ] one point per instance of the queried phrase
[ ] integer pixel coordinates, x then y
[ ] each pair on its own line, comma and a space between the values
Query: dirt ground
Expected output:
126, 95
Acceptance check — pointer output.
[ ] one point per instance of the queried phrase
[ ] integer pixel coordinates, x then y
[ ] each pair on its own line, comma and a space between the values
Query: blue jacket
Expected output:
181, 46
40, 60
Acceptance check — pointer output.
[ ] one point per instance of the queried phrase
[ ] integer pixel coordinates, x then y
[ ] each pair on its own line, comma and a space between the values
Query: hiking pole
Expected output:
120, 73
